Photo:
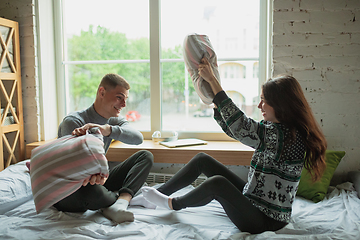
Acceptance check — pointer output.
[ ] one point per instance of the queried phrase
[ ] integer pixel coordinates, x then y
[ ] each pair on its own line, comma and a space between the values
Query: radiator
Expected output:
155, 178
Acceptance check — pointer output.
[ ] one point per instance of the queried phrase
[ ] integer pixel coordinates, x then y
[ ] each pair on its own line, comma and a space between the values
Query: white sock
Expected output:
118, 213
155, 197
141, 201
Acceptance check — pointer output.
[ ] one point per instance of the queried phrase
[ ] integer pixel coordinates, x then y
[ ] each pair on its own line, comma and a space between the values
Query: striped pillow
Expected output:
195, 48
58, 168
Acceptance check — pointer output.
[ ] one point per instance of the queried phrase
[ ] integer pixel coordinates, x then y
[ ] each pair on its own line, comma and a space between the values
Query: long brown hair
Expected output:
285, 95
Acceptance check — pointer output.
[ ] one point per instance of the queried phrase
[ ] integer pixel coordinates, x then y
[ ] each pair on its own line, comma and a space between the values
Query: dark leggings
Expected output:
222, 185
127, 177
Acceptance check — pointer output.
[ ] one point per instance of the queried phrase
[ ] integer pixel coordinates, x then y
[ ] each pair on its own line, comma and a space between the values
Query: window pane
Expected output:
111, 36
181, 106
234, 33
105, 28
84, 80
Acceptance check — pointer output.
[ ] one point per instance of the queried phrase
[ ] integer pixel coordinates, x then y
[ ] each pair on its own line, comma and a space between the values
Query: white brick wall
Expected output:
318, 42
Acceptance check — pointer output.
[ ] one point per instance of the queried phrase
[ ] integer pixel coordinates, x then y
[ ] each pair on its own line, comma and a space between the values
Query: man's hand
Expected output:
95, 179
104, 129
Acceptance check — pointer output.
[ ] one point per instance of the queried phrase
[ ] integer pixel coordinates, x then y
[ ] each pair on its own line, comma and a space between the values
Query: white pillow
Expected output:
15, 187
196, 47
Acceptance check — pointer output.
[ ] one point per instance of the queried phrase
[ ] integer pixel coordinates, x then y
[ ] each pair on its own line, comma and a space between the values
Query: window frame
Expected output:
265, 29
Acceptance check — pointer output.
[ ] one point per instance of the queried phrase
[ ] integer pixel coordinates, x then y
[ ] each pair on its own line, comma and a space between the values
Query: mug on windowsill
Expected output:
164, 136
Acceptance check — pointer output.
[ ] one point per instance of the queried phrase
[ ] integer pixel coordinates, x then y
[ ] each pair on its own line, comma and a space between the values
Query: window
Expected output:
109, 37
142, 41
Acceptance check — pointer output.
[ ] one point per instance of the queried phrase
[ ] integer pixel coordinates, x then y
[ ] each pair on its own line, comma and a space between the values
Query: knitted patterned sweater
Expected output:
276, 164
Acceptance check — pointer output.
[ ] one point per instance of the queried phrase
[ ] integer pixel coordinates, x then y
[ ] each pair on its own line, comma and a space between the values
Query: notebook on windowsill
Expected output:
183, 142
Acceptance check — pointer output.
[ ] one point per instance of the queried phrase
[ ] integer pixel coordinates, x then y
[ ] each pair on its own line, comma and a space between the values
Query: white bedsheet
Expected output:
336, 217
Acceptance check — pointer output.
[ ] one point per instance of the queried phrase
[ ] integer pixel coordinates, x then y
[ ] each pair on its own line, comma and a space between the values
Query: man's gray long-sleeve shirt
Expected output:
120, 129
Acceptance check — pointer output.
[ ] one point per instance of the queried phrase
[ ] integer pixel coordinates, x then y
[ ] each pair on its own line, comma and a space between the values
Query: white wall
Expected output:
318, 42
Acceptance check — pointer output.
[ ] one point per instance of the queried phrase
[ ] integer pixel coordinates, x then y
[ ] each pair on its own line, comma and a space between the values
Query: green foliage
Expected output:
173, 74
102, 44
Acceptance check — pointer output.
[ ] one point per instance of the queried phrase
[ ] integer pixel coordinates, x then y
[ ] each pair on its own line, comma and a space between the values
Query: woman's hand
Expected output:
104, 129
95, 179
207, 73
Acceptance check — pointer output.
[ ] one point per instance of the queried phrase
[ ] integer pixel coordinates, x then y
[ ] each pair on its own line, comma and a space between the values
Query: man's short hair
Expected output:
112, 80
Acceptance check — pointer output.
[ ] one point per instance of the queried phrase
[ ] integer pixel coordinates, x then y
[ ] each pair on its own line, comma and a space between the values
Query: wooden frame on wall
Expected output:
12, 145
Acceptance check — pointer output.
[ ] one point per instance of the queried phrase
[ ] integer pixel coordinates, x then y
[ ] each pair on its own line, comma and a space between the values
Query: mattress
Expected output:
336, 217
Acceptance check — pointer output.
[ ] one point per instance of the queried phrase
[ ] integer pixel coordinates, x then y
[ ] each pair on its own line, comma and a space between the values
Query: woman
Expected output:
287, 140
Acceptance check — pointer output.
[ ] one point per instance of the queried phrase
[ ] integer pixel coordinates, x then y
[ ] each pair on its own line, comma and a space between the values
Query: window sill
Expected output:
227, 152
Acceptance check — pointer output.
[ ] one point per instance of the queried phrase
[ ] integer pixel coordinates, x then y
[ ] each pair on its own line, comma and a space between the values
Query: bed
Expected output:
337, 216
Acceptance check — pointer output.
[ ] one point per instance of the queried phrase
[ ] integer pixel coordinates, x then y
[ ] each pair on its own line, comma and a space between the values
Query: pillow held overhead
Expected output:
58, 168
196, 47
317, 191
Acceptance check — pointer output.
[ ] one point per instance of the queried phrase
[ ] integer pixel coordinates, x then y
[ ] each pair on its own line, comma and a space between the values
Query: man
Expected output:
111, 195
